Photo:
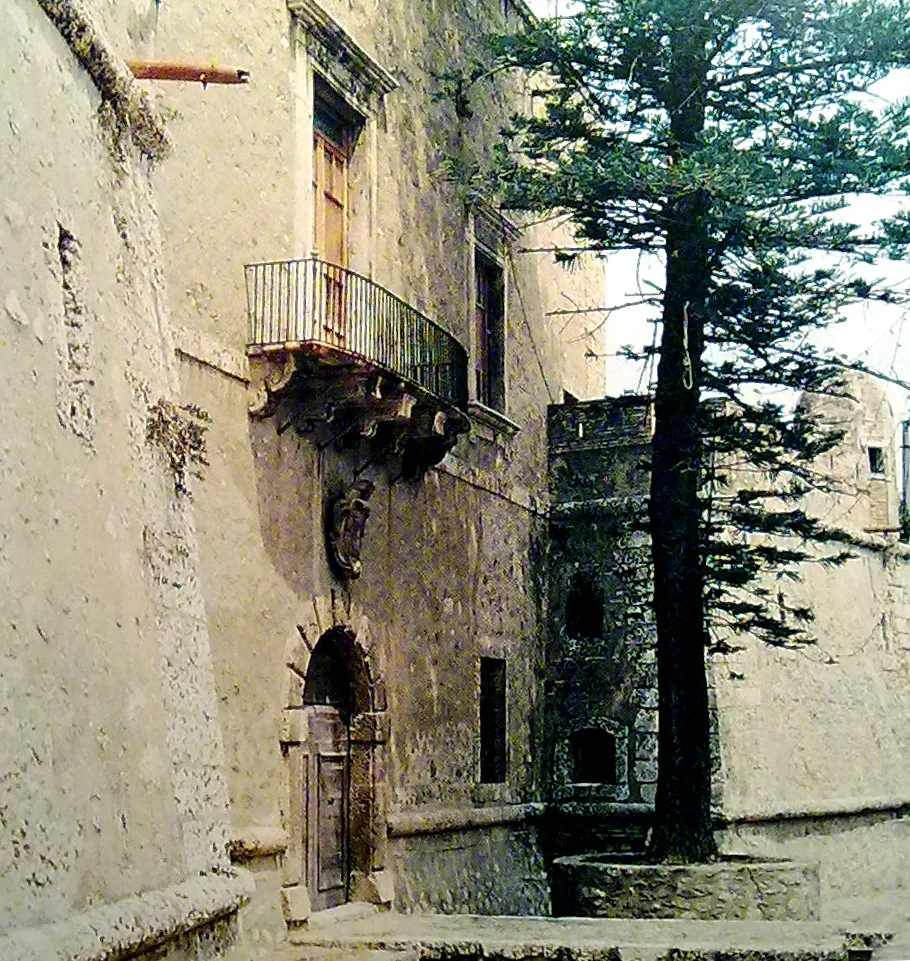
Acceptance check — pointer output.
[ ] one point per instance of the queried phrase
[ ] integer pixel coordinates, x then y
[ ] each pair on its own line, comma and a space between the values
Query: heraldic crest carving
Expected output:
347, 519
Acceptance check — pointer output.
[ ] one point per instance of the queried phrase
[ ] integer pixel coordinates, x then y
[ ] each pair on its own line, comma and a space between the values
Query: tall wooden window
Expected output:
492, 720
335, 127
489, 357
331, 154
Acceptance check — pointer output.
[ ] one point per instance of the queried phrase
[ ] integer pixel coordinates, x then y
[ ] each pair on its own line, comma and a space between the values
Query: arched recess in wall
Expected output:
333, 737
593, 756
584, 615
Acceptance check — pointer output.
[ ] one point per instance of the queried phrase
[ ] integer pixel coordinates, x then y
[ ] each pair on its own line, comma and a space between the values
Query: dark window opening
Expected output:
492, 720
327, 677
333, 117
489, 362
584, 609
876, 460
593, 756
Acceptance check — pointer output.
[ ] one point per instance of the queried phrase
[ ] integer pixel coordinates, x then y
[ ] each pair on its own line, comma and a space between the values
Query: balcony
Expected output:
339, 347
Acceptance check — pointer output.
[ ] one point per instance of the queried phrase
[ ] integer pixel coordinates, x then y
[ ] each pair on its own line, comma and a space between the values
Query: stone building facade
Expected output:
379, 728
809, 748
338, 630
113, 801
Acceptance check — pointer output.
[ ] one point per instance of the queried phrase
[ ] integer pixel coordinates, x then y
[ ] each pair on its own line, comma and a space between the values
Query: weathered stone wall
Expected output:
813, 750
601, 660
448, 568
809, 744
113, 768
496, 870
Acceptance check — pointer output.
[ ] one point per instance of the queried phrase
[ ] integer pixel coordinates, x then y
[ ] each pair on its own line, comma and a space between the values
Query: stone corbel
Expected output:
270, 374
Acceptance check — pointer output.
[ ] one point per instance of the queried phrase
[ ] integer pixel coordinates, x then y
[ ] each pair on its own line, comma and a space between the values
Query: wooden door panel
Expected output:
330, 830
327, 807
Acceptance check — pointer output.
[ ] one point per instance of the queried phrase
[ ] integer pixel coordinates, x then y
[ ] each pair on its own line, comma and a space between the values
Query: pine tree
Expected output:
730, 135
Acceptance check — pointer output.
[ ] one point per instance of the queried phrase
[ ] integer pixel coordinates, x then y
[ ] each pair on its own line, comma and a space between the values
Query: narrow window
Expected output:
593, 756
335, 127
876, 461
492, 720
489, 365
584, 609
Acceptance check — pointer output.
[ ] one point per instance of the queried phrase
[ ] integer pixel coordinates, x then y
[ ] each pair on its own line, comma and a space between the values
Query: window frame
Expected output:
493, 721
489, 236
489, 331
876, 462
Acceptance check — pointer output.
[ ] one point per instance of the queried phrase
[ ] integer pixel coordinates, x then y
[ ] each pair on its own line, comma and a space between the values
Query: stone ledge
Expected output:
434, 936
439, 820
123, 929
837, 808
733, 889
252, 841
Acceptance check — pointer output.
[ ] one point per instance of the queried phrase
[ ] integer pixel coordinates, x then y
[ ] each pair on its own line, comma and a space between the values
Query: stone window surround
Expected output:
323, 47
491, 233
566, 789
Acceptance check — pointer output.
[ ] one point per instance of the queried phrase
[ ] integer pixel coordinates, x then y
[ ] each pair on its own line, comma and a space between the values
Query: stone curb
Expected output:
122, 929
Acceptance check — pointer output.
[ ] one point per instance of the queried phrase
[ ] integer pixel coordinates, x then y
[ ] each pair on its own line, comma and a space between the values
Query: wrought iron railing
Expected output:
314, 302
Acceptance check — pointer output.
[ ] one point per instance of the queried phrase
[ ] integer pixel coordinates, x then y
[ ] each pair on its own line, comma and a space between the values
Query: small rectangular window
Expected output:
876, 460
492, 720
489, 361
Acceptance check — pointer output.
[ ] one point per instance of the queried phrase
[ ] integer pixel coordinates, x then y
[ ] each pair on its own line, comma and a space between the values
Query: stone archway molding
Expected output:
370, 880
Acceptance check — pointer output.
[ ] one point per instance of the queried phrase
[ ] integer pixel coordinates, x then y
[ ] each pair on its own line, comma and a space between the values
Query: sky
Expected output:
879, 335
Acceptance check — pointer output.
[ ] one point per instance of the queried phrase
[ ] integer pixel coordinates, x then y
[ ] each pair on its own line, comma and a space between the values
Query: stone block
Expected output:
645, 771
295, 904
377, 887
737, 888
646, 697
645, 747
646, 721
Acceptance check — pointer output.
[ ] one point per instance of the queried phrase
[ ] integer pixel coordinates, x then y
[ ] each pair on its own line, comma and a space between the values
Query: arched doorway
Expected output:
333, 735
326, 775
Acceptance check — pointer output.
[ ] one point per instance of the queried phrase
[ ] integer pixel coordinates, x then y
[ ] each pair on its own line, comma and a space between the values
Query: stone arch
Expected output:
349, 632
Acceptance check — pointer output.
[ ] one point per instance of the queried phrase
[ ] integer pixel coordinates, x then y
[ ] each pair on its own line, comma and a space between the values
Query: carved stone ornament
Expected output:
346, 522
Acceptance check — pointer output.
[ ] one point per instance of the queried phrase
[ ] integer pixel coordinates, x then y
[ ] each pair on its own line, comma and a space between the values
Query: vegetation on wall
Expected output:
730, 136
180, 432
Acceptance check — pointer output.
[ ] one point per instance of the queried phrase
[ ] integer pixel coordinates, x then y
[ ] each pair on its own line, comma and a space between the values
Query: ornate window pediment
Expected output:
343, 62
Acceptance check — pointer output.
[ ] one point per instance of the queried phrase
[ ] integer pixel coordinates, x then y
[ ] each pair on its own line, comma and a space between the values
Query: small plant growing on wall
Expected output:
179, 430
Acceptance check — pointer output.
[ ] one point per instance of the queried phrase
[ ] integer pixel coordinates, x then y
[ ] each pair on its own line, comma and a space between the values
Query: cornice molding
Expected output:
345, 63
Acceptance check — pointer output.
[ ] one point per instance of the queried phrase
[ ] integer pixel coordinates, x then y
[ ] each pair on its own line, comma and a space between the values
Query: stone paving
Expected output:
398, 937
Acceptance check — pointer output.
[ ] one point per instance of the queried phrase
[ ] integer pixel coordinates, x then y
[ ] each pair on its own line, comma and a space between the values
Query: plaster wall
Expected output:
449, 561
112, 781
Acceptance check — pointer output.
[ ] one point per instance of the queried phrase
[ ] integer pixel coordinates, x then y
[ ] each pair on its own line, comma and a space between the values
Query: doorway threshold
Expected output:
343, 913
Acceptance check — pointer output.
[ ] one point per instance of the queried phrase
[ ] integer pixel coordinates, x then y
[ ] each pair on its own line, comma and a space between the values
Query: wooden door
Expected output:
330, 194
326, 784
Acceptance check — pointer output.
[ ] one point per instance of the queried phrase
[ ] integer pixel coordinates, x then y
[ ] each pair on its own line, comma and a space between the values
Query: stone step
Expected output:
305, 952
468, 938
343, 914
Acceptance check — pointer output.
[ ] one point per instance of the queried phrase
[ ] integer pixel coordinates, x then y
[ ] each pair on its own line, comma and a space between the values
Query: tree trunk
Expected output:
682, 829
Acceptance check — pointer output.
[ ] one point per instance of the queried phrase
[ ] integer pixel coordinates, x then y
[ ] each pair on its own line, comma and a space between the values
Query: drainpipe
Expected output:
905, 479
193, 72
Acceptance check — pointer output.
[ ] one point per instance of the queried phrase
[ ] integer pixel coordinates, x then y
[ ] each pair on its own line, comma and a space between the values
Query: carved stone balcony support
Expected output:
333, 348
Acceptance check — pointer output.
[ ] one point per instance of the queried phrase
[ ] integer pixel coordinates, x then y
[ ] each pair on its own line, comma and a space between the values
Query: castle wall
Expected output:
112, 802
